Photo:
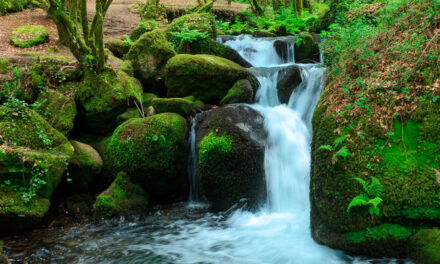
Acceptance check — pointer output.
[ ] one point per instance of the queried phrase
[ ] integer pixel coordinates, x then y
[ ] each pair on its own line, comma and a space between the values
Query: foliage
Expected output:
29, 36
187, 35
343, 152
370, 197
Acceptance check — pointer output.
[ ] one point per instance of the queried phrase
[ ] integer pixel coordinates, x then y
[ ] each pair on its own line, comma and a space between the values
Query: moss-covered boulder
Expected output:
179, 106
288, 79
230, 151
206, 77
406, 162
241, 92
33, 156
152, 151
84, 165
308, 50
202, 22
149, 55
143, 27
103, 97
118, 47
130, 113
212, 47
122, 198
58, 110
425, 246
29, 36
17, 216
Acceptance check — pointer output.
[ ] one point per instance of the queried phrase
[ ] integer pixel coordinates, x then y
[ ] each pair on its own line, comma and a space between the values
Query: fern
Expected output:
370, 197
340, 140
326, 147
342, 152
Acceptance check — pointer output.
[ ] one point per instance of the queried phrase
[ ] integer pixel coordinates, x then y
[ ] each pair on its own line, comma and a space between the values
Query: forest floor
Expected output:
120, 19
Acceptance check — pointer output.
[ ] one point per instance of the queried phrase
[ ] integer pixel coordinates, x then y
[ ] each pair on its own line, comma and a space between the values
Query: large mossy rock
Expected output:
152, 151
29, 36
181, 106
308, 50
84, 166
407, 164
206, 77
122, 198
212, 47
31, 152
241, 92
230, 147
58, 110
202, 22
103, 97
149, 55
425, 246
118, 47
288, 79
143, 27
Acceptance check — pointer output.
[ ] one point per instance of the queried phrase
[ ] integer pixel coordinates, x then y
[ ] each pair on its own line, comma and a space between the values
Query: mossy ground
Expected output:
29, 36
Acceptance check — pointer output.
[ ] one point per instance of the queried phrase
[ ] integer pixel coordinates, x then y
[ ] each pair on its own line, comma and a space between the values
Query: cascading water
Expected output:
279, 233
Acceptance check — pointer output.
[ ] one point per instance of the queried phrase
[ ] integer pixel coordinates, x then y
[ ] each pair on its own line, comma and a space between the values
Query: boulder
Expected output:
308, 50
122, 198
152, 151
283, 48
425, 246
33, 156
206, 77
103, 97
263, 34
241, 92
405, 163
29, 36
288, 79
179, 106
118, 47
230, 149
212, 47
132, 112
58, 110
149, 55
84, 165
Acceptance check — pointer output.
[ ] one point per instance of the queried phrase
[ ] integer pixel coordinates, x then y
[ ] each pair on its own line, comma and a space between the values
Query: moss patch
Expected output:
5, 66
29, 36
143, 27
201, 22
179, 106
425, 246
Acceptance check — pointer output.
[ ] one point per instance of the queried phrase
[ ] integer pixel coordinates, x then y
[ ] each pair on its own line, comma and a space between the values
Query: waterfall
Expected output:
192, 161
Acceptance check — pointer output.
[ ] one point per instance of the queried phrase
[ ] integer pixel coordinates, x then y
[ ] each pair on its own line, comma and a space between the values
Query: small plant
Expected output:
370, 197
343, 152
187, 35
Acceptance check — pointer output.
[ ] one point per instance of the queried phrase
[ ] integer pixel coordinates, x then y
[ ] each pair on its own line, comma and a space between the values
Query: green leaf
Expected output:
325, 147
155, 138
343, 152
375, 188
362, 182
359, 200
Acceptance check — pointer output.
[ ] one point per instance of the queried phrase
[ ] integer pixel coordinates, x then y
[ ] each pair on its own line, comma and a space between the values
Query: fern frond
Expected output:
375, 202
375, 188
339, 140
325, 147
342, 152
362, 182
359, 200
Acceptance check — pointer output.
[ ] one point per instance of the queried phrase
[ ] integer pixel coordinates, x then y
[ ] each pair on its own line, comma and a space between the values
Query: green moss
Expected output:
152, 151
143, 27
381, 233
29, 36
180, 106
127, 67
103, 97
121, 198
11, 6
147, 98
213, 144
241, 92
149, 54
18, 216
308, 50
118, 47
202, 22
58, 110
208, 78
425, 246
5, 67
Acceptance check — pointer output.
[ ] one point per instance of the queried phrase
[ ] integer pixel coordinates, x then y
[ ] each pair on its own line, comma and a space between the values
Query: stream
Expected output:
185, 233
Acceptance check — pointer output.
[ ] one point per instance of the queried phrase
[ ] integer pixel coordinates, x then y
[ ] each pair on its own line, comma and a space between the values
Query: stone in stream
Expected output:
230, 147
288, 79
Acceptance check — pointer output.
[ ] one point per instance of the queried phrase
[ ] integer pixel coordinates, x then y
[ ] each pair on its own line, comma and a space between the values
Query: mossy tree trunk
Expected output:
256, 8
298, 5
85, 39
